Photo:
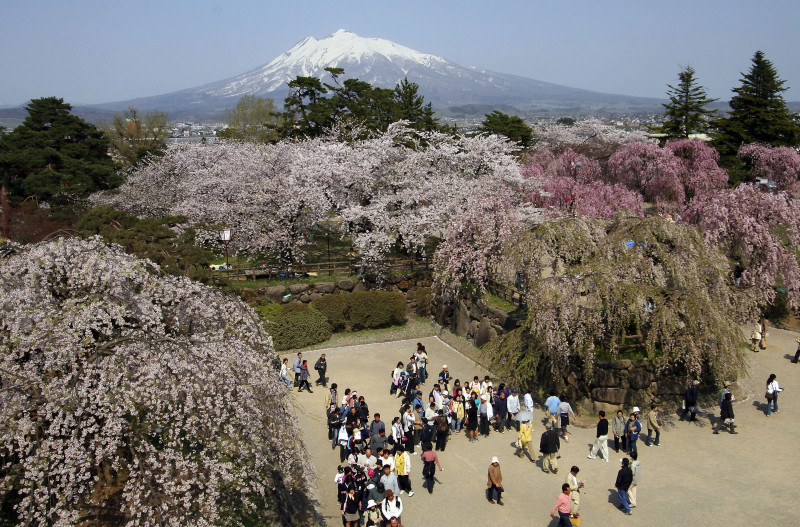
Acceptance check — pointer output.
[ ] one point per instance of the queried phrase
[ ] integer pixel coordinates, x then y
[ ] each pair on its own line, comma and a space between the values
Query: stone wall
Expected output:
475, 320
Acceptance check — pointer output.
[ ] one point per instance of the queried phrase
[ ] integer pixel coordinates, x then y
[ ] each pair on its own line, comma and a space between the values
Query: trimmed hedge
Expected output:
424, 300
376, 309
334, 307
294, 325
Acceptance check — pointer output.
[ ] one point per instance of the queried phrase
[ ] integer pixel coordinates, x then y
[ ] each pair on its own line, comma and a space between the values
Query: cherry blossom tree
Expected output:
701, 171
780, 164
600, 287
576, 166
398, 187
594, 199
651, 170
134, 398
589, 137
473, 245
759, 232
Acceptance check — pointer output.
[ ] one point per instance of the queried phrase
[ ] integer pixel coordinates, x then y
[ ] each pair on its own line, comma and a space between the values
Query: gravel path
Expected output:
694, 478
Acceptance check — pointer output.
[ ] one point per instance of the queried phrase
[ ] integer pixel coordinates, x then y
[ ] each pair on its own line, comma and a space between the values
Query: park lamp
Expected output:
225, 238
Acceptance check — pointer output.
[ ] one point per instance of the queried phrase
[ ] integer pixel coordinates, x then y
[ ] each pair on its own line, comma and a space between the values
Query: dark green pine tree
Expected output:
55, 156
758, 112
686, 111
510, 126
410, 106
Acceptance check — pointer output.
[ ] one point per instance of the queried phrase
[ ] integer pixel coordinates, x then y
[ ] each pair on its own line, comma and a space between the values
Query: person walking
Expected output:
601, 438
564, 411
653, 425
690, 401
623, 483
391, 507
402, 465
726, 416
773, 389
755, 337
575, 487
442, 430
304, 378
764, 334
524, 440
513, 406
429, 463
350, 508
528, 400
634, 427
495, 482
322, 367
485, 414
549, 446
563, 506
296, 368
618, 428
471, 422
551, 404
285, 374
797, 353
635, 479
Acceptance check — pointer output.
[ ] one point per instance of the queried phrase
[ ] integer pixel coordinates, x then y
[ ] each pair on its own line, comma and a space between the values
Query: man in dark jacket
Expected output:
726, 415
690, 401
426, 436
624, 481
500, 412
321, 366
549, 446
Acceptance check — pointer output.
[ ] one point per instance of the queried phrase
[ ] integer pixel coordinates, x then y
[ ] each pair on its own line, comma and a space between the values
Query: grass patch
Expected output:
496, 301
416, 327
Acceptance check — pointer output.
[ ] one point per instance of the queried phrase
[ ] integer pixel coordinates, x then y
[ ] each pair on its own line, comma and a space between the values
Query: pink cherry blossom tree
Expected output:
759, 232
594, 199
780, 164
134, 398
651, 170
576, 166
589, 137
701, 171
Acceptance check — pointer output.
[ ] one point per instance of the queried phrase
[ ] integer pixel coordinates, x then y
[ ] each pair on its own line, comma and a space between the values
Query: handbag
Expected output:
769, 396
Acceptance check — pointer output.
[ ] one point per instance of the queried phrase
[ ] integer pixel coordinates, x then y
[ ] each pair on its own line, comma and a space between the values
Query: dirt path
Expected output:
694, 478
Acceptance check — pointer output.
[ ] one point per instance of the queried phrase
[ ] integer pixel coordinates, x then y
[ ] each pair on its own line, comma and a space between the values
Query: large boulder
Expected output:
296, 289
461, 319
605, 378
640, 379
345, 284
274, 293
325, 287
611, 395
485, 332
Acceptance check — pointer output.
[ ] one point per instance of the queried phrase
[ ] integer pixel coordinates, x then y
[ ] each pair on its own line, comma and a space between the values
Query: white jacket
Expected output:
392, 509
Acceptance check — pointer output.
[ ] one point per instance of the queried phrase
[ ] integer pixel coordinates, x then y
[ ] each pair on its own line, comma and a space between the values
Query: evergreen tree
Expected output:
54, 156
758, 112
686, 111
410, 106
510, 126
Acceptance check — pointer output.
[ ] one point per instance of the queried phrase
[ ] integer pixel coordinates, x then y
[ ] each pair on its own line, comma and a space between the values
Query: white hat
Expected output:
444, 365
636, 410
370, 486
371, 503
495, 460
483, 397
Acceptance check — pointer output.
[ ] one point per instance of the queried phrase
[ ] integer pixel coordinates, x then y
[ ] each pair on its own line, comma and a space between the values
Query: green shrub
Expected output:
294, 325
334, 307
424, 301
376, 309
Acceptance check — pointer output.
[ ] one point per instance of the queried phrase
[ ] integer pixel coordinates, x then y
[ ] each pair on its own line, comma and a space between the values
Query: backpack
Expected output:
429, 468
427, 433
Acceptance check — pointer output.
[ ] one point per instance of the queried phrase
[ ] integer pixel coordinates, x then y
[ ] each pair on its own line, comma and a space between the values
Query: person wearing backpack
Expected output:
442, 429
429, 463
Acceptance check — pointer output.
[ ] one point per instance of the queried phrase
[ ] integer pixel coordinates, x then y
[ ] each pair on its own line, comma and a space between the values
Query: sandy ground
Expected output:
694, 478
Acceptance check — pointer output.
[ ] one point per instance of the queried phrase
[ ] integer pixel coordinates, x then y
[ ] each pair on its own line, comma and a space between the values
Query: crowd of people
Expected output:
377, 454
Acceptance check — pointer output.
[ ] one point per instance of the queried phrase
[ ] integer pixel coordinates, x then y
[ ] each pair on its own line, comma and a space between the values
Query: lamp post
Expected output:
225, 238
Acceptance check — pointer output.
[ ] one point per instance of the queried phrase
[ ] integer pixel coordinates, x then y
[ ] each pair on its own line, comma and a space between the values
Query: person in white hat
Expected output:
372, 516
495, 483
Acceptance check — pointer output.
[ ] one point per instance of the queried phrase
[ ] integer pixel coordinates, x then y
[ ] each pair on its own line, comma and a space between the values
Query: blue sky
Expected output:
99, 51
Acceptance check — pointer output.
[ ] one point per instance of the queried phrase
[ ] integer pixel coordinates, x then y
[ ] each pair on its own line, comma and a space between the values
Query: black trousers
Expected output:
483, 423
429, 482
441, 440
321, 379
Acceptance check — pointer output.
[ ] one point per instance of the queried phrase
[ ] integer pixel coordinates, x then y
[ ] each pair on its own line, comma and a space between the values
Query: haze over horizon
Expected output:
91, 52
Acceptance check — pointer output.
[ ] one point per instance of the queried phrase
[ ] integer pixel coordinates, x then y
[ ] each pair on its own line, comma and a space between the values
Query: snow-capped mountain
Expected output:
383, 63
